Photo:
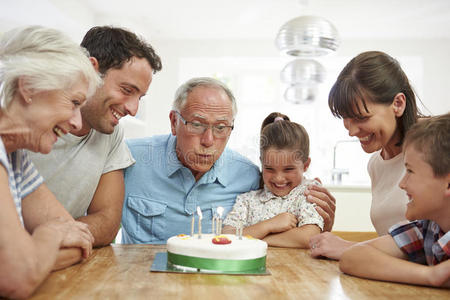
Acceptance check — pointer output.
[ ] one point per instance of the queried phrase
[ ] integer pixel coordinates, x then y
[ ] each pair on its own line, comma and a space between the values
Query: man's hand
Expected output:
326, 203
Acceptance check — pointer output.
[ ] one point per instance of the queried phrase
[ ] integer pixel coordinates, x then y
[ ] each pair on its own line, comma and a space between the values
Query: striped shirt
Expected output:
423, 241
23, 177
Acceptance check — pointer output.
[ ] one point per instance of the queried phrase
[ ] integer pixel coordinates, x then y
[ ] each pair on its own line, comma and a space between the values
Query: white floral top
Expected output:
256, 206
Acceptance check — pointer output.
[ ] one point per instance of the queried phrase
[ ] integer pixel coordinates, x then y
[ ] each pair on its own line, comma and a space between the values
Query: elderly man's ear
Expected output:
173, 122
94, 62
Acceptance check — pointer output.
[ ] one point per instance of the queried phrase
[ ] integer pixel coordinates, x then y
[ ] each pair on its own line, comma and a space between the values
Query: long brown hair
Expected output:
377, 77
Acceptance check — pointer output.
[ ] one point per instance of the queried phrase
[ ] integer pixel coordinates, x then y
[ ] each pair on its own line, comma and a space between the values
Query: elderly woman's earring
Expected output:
29, 100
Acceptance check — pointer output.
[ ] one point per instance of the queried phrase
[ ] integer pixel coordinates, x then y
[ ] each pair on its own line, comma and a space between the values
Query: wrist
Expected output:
48, 233
267, 226
429, 276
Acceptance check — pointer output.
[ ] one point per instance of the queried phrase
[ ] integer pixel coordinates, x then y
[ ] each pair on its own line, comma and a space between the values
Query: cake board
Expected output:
160, 264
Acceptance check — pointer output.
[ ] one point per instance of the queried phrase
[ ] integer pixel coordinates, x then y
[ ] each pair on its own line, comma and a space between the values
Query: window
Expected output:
256, 85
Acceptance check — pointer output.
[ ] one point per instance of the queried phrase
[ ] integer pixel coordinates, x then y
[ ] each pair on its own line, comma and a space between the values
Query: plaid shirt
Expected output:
423, 241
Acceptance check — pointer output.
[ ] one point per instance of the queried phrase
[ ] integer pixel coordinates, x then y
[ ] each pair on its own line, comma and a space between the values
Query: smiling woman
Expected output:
378, 106
44, 80
374, 98
43, 86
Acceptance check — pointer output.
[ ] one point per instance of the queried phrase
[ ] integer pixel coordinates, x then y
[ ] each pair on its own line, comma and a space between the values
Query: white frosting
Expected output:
204, 248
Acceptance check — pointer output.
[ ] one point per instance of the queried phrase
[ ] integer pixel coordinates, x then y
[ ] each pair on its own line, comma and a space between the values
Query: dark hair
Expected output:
279, 132
431, 137
113, 46
376, 77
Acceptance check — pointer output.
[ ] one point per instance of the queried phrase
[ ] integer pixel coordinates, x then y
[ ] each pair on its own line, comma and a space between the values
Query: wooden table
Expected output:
123, 272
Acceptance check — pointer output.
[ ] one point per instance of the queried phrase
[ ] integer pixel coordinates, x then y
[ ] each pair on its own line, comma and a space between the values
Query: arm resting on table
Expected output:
294, 238
25, 259
381, 259
258, 230
67, 257
42, 206
105, 212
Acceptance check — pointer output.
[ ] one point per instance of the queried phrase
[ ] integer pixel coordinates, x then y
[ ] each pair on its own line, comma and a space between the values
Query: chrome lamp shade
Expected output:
303, 72
307, 36
300, 94
302, 76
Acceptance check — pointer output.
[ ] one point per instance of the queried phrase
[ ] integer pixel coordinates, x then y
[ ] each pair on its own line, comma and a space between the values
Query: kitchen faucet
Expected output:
336, 173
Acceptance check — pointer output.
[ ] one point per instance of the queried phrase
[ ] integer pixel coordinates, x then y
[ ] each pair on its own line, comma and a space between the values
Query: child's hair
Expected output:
279, 132
376, 77
431, 137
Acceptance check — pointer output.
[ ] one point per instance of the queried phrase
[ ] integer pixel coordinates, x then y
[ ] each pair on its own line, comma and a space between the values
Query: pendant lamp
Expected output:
303, 72
307, 36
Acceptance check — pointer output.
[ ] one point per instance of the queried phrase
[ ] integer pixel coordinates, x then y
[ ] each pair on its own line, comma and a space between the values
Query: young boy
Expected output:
416, 252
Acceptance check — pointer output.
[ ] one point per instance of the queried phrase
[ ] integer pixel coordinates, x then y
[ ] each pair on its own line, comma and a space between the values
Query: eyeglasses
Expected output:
219, 131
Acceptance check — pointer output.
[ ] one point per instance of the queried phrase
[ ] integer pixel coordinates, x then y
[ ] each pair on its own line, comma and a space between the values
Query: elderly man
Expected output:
84, 170
192, 167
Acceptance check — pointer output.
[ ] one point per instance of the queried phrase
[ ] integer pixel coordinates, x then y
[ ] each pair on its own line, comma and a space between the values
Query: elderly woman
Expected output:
44, 78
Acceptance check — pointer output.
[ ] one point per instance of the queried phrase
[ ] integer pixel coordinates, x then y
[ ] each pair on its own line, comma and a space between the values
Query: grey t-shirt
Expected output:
73, 168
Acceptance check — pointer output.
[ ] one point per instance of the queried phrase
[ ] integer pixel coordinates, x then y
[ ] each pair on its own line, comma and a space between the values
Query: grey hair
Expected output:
46, 58
183, 91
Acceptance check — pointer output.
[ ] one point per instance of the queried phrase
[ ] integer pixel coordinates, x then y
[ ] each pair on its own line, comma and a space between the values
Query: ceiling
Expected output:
234, 19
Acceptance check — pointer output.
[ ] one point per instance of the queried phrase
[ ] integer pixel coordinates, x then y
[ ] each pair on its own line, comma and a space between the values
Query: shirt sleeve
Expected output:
31, 179
304, 210
308, 215
119, 156
409, 238
239, 212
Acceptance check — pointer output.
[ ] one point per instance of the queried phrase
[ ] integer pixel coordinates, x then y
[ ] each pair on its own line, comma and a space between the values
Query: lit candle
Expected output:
192, 224
219, 221
200, 216
212, 225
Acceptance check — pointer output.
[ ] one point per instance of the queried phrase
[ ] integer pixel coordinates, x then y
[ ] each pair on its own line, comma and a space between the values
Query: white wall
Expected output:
156, 106
353, 203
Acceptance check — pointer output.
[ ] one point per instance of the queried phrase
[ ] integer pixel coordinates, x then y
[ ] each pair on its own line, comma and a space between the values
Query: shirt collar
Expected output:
172, 162
217, 173
267, 195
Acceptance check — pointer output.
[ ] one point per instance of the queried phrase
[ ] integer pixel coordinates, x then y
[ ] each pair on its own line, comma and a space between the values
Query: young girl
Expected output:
279, 213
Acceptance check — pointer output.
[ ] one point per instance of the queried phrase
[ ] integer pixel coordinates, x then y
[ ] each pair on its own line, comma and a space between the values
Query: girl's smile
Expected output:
282, 170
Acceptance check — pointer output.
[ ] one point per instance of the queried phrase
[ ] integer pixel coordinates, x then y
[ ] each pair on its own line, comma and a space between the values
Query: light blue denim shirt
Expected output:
161, 194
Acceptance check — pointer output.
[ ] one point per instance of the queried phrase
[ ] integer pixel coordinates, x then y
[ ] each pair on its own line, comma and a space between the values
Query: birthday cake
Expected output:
225, 253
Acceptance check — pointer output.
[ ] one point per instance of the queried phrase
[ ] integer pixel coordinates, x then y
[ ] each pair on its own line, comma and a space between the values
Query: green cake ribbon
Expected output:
217, 264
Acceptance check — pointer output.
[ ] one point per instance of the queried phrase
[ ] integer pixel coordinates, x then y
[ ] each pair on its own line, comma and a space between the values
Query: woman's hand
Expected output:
282, 222
73, 234
326, 203
328, 245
